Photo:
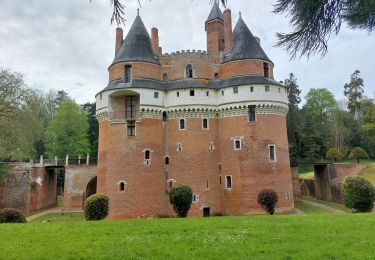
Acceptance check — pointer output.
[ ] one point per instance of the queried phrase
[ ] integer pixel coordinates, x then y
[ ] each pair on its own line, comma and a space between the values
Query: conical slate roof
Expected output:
137, 45
215, 13
245, 46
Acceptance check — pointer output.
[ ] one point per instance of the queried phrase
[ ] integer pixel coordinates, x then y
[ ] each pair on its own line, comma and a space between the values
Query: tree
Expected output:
67, 132
293, 115
333, 154
181, 198
93, 132
358, 153
315, 21
358, 193
339, 131
369, 118
268, 199
353, 91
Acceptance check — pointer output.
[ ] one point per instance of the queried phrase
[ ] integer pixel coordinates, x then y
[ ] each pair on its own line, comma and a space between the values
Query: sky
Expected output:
70, 44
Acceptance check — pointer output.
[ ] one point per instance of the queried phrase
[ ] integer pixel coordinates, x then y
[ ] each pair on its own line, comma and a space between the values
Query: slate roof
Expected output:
215, 13
190, 83
245, 46
137, 45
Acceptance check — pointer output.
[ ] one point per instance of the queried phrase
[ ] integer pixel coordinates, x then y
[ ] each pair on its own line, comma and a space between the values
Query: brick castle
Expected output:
214, 119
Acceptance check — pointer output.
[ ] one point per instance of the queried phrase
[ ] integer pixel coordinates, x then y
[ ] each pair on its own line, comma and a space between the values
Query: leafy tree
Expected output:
181, 198
268, 199
67, 132
310, 137
333, 154
353, 91
369, 118
315, 21
358, 193
93, 132
293, 115
358, 153
339, 131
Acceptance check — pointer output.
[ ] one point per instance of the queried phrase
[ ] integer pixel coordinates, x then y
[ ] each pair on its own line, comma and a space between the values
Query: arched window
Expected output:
122, 186
167, 160
189, 71
228, 182
147, 155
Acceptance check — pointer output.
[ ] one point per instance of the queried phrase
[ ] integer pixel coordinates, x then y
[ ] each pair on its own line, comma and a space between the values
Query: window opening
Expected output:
228, 182
222, 92
266, 69
251, 113
207, 93
178, 94
192, 93
147, 155
131, 128
131, 104
251, 89
182, 124
189, 71
205, 123
167, 160
122, 186
267, 88
128, 73
165, 116
216, 75
156, 94
165, 77
272, 152
235, 90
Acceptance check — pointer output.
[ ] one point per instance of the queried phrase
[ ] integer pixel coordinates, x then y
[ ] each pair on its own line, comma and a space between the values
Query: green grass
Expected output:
329, 204
307, 175
60, 218
309, 209
4, 167
369, 172
319, 236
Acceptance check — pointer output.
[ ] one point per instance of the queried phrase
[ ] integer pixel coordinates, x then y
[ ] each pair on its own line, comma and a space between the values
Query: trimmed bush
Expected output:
9, 215
358, 193
96, 207
358, 153
181, 198
268, 199
333, 154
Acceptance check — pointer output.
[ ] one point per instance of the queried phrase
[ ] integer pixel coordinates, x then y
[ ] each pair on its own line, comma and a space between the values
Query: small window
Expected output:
189, 71
220, 179
267, 88
170, 183
122, 186
207, 188
182, 124
147, 155
100, 96
131, 128
266, 69
128, 73
228, 182
156, 94
237, 144
205, 123
207, 93
166, 160
178, 94
165, 77
216, 75
272, 152
195, 198
251, 113
211, 147
179, 147
222, 92
235, 90
251, 89
192, 93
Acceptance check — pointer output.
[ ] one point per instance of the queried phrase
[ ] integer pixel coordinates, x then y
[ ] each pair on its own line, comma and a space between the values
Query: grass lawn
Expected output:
307, 175
329, 204
309, 209
58, 218
317, 236
369, 172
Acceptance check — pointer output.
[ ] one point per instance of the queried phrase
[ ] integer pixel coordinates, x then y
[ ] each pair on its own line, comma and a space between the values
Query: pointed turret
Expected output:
137, 45
215, 13
245, 45
215, 30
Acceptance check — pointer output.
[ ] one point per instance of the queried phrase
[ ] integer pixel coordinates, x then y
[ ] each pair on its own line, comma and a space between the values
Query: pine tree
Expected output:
354, 91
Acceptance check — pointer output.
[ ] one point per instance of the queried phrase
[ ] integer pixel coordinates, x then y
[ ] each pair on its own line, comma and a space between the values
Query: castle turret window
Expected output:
237, 144
192, 93
228, 182
189, 71
195, 198
165, 116
156, 94
147, 160
166, 160
251, 113
131, 128
235, 90
207, 93
267, 88
222, 92
266, 69
178, 94
165, 77
182, 124
205, 123
128, 73
122, 186
251, 89
272, 152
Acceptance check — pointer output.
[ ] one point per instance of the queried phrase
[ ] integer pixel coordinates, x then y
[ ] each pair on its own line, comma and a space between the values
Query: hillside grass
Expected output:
317, 236
309, 209
369, 172
329, 204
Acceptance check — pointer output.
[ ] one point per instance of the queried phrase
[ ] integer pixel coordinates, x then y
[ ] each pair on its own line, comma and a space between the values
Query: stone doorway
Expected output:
206, 211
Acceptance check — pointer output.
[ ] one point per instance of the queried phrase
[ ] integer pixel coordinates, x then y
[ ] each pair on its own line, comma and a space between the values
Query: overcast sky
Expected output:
70, 44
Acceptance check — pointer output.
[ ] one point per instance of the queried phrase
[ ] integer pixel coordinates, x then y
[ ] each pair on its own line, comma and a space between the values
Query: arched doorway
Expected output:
90, 189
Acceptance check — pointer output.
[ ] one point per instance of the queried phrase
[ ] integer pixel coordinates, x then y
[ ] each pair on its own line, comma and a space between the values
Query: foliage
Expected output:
181, 198
354, 91
333, 154
369, 118
9, 215
67, 132
267, 199
93, 132
358, 193
96, 207
358, 153
315, 21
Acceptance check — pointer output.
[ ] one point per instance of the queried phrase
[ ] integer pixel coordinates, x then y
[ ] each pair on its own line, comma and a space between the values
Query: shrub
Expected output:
358, 193
9, 215
181, 198
96, 207
267, 199
358, 153
333, 154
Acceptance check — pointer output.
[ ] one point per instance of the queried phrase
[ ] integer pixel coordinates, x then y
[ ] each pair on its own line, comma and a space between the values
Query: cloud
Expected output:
70, 44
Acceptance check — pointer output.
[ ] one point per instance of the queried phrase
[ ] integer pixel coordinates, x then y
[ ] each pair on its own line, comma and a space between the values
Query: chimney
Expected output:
228, 30
257, 38
155, 41
119, 38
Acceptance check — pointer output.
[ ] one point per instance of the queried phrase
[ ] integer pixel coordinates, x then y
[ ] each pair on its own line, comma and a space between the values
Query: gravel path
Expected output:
321, 206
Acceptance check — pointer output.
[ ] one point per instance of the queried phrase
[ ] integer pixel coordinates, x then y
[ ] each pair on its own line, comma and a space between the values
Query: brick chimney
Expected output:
155, 41
228, 30
119, 38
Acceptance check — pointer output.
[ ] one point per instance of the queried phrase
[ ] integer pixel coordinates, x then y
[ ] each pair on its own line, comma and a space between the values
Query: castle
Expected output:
214, 119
